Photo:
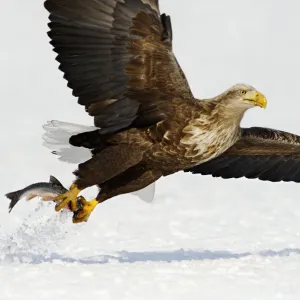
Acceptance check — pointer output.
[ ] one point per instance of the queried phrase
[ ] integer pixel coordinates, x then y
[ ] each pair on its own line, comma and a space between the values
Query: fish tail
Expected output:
14, 197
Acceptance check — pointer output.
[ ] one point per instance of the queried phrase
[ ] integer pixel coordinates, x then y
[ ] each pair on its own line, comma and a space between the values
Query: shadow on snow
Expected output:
155, 256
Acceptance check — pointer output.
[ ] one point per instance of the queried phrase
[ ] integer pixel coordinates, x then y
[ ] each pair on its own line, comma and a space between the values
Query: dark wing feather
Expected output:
117, 58
262, 153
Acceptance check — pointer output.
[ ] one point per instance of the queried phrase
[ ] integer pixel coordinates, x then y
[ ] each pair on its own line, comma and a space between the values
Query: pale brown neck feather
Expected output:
230, 112
224, 109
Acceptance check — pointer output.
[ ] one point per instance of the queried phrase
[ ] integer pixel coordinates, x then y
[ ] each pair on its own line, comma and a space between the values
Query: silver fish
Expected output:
46, 190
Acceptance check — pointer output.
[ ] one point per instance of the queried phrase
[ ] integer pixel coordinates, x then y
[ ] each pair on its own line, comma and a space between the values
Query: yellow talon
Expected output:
84, 212
69, 196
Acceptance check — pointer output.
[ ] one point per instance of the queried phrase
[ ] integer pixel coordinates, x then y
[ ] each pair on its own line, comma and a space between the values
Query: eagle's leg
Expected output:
86, 208
133, 179
103, 166
97, 170
68, 196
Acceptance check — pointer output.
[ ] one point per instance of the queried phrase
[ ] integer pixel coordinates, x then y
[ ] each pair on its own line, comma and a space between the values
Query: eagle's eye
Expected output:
243, 92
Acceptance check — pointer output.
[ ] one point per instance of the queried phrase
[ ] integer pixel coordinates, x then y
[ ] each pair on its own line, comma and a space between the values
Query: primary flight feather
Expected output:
118, 59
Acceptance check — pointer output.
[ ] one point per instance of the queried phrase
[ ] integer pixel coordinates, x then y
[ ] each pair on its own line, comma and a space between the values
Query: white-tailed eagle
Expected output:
117, 58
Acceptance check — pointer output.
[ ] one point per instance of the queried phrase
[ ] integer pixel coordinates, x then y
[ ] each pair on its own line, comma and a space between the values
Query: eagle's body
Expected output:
117, 57
178, 143
193, 138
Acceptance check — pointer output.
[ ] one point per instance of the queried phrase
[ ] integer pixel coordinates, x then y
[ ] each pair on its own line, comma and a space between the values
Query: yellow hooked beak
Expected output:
256, 98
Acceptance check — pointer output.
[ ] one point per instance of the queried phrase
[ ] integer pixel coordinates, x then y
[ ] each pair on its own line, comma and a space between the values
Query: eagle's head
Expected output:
243, 96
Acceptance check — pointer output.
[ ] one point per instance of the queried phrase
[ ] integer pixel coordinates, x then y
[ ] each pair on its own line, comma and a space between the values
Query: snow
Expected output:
202, 238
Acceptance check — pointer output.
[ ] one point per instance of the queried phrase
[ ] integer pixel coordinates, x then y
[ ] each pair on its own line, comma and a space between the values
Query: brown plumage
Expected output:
262, 153
117, 58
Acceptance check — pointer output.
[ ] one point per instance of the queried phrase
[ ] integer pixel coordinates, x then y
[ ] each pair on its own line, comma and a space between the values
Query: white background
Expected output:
202, 238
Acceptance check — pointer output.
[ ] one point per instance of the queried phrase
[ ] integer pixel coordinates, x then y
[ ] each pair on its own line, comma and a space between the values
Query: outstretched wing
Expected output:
262, 153
117, 58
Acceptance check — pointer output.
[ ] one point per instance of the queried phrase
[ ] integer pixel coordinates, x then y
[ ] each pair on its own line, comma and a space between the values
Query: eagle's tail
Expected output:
57, 138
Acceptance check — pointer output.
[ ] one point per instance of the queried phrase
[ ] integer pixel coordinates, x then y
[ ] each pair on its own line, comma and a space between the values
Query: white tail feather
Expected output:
57, 137
146, 194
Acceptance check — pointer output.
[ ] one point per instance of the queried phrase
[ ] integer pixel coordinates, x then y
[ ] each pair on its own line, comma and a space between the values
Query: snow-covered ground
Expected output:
202, 238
